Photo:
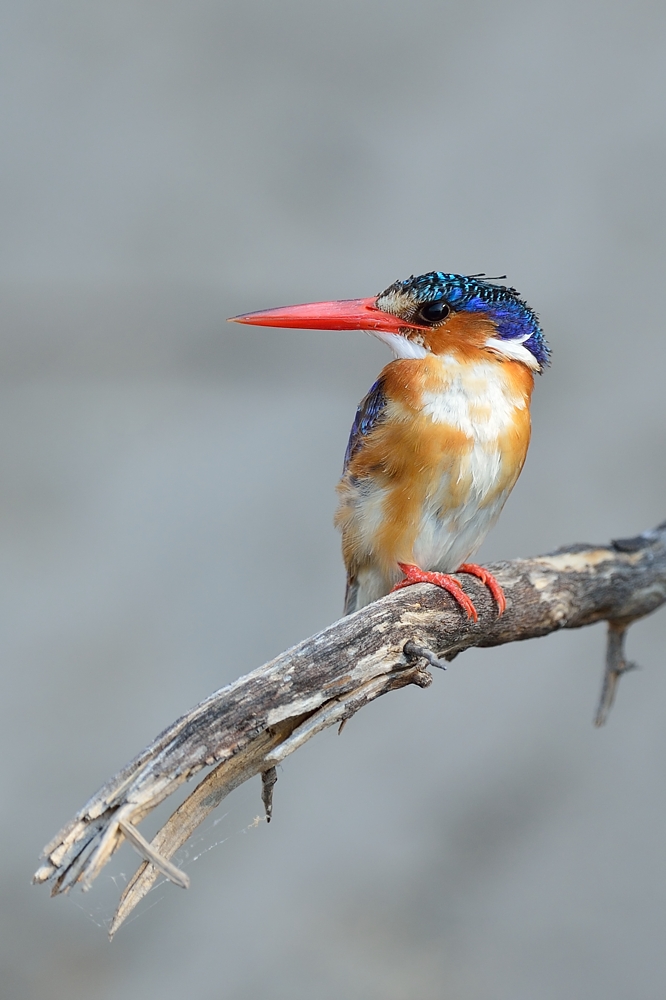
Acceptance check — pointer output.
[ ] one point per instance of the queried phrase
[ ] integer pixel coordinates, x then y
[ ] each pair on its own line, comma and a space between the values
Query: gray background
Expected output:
168, 481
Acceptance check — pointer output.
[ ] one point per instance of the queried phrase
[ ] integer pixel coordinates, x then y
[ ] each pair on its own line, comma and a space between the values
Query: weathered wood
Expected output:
247, 727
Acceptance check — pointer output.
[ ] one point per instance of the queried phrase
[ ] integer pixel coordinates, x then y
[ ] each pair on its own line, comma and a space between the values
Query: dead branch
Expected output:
248, 727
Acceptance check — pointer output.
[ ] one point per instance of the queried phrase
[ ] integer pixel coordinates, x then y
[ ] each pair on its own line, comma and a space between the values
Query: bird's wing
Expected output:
370, 411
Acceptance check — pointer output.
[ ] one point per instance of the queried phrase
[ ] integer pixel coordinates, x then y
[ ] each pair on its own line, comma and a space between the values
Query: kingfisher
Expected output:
440, 439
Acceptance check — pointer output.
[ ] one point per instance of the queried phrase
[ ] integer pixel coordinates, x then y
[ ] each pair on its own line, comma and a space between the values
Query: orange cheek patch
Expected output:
464, 333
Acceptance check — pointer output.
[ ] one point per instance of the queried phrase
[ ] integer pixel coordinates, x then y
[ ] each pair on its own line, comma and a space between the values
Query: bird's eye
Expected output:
434, 312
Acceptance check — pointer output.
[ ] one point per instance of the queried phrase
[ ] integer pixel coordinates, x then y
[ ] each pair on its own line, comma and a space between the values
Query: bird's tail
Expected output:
351, 595
365, 585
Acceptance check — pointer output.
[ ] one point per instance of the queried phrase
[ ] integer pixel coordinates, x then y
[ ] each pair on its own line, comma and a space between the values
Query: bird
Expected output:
439, 441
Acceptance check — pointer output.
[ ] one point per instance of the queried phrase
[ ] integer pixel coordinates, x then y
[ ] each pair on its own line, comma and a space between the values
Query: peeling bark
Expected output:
248, 727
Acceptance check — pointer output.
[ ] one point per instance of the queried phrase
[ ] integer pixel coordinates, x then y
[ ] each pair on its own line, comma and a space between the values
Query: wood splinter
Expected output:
616, 665
268, 780
141, 845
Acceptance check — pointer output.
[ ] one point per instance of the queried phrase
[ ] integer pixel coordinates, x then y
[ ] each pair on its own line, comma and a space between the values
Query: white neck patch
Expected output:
514, 349
402, 347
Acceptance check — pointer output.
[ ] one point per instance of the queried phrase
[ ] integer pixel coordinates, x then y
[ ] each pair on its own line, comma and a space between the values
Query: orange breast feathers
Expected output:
428, 479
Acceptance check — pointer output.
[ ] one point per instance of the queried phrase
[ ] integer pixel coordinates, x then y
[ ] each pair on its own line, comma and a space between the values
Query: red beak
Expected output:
343, 314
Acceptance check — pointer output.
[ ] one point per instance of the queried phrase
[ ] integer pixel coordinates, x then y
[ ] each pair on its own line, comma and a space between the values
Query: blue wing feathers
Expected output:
369, 413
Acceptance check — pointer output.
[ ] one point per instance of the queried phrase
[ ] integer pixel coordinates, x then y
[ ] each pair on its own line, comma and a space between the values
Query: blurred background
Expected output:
167, 481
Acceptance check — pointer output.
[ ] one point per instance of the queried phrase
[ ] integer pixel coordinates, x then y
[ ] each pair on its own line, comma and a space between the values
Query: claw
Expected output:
413, 574
489, 581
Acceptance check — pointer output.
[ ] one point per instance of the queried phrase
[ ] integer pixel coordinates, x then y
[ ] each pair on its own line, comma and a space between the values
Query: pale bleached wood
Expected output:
247, 727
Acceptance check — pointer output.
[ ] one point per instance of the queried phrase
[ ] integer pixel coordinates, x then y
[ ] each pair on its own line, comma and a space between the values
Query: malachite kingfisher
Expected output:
441, 437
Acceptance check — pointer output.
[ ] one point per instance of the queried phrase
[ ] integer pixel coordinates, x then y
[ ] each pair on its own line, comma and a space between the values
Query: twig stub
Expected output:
414, 652
615, 666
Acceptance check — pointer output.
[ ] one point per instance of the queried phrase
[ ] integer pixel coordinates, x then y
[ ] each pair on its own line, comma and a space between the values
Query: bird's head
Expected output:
430, 314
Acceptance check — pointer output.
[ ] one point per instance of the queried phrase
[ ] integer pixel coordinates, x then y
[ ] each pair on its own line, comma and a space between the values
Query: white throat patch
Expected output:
402, 347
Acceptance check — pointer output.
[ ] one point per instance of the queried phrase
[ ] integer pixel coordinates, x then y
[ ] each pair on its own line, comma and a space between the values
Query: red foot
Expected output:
415, 575
490, 582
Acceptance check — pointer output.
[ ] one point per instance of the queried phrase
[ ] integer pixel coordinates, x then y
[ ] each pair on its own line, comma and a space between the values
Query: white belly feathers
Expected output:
477, 400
